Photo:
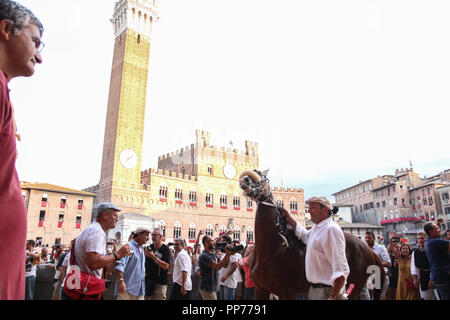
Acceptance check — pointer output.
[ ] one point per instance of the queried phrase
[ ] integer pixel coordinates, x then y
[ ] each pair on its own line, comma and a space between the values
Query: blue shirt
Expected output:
439, 259
133, 269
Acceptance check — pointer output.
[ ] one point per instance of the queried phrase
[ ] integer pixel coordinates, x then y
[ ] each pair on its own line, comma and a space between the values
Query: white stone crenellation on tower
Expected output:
138, 15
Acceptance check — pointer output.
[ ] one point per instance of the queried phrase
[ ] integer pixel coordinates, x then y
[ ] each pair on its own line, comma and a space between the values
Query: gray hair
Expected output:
19, 16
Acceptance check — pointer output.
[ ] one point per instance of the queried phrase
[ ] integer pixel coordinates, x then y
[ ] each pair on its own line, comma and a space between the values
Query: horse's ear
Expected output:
265, 172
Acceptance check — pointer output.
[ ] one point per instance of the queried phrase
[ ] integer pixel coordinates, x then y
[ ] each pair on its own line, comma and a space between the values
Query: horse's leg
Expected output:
261, 293
287, 296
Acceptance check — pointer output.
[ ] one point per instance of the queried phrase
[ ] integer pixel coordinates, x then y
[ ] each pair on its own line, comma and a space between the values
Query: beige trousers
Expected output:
159, 293
208, 295
127, 296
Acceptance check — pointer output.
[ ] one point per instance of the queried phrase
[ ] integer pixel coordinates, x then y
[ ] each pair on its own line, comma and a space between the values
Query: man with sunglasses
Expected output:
20, 51
156, 266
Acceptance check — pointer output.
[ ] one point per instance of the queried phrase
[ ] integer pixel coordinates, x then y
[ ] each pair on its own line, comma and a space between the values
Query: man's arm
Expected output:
122, 287
234, 266
184, 275
224, 261
385, 259
162, 264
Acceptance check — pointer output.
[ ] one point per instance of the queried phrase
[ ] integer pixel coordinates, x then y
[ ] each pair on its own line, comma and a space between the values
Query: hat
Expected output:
142, 229
322, 200
106, 206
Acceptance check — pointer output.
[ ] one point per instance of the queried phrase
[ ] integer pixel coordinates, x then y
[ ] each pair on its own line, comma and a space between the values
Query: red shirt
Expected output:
13, 214
249, 283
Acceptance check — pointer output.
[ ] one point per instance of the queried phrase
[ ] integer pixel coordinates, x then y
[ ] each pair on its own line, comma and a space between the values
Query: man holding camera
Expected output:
228, 274
131, 269
156, 267
209, 266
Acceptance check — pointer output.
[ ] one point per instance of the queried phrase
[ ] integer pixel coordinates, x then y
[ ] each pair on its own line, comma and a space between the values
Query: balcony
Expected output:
396, 220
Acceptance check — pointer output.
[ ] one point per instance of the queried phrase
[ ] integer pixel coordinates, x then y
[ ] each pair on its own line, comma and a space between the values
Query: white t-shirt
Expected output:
66, 263
30, 267
237, 273
183, 263
92, 239
230, 282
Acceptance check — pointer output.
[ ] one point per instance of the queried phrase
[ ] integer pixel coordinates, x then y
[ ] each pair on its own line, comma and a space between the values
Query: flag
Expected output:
231, 143
410, 164
171, 165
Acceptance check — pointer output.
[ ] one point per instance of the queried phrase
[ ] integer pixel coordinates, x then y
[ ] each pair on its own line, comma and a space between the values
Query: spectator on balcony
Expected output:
420, 269
406, 288
437, 251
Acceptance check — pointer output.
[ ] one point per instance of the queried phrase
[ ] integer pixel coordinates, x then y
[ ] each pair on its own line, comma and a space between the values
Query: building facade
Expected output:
196, 187
402, 202
56, 215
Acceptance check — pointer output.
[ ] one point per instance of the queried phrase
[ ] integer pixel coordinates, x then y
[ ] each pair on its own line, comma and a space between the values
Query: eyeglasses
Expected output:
37, 42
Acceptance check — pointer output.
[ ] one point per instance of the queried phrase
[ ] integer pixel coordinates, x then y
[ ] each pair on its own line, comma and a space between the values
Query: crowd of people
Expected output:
221, 271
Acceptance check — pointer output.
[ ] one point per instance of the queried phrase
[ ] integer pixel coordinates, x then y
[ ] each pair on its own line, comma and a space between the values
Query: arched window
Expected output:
223, 200
192, 231
280, 202
293, 206
250, 234
162, 228
163, 191
209, 199
223, 229
177, 230
249, 204
209, 230
179, 193
193, 196
236, 202
237, 234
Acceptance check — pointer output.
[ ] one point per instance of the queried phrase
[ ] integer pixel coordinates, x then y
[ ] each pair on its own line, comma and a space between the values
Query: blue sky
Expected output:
334, 91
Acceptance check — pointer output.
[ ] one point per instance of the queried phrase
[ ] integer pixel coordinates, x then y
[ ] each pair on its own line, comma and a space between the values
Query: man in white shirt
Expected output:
182, 283
32, 258
90, 245
382, 253
326, 264
228, 279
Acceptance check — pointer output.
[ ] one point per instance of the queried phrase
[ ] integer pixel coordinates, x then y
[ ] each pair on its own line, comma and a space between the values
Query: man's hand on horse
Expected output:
284, 212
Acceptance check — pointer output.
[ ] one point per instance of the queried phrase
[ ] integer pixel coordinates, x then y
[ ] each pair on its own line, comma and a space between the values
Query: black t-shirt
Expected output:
208, 276
154, 274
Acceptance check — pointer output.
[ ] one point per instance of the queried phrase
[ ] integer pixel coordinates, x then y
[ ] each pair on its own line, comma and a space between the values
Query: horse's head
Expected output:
255, 185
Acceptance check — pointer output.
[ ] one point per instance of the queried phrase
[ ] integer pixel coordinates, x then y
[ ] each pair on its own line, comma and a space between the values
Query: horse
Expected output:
279, 262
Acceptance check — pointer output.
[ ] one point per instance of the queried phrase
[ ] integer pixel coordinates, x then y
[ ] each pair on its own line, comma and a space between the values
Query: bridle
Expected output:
255, 183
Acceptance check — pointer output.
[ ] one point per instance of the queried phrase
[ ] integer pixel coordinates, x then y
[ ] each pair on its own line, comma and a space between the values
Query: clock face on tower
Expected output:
229, 171
128, 158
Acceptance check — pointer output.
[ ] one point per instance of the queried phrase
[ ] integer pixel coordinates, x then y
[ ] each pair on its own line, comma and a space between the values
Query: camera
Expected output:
233, 247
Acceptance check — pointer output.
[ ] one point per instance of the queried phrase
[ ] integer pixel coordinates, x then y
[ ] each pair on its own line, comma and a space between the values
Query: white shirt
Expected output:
92, 239
230, 282
30, 266
237, 273
66, 263
325, 255
381, 251
183, 263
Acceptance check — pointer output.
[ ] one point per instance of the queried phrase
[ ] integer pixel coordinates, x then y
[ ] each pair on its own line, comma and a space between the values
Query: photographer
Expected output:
156, 267
228, 274
209, 266
131, 270
394, 240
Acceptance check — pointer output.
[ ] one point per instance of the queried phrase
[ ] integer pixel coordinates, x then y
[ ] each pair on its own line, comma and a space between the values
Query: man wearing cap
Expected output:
90, 245
130, 270
326, 264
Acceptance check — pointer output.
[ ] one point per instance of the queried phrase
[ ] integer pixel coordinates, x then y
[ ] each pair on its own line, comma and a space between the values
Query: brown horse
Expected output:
280, 269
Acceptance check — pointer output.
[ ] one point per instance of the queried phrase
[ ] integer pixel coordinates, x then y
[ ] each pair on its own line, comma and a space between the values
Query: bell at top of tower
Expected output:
137, 15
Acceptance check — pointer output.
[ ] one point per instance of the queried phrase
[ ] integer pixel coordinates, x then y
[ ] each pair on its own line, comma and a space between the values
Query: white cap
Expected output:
142, 229
322, 200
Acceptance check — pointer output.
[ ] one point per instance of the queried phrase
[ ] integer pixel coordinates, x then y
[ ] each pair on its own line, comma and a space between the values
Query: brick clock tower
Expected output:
120, 180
